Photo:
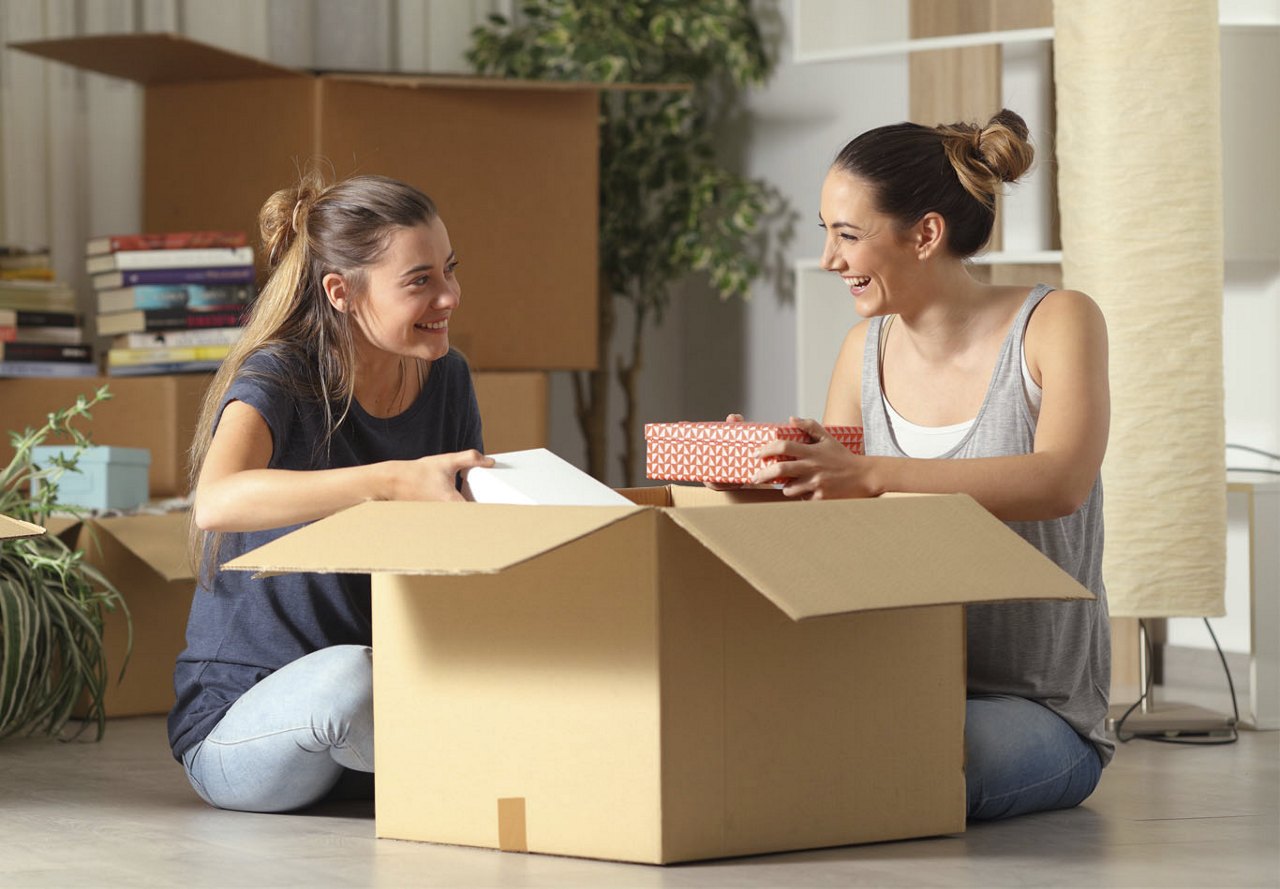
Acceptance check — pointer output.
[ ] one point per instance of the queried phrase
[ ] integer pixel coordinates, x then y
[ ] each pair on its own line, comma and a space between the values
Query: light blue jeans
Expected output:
295, 738
1021, 757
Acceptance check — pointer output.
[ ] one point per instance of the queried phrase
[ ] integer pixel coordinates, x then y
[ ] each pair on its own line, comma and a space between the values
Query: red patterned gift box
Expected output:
722, 452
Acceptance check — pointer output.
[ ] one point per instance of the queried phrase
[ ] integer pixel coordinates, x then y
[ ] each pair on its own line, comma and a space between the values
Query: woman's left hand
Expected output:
820, 469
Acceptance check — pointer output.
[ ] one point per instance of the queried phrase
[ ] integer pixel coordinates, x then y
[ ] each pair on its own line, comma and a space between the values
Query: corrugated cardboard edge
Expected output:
16, 529
748, 538
154, 58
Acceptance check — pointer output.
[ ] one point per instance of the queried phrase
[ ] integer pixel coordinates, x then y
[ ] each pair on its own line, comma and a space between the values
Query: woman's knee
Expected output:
1021, 757
341, 677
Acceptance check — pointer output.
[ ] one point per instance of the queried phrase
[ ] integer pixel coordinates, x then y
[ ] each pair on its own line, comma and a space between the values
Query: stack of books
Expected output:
25, 263
173, 302
41, 331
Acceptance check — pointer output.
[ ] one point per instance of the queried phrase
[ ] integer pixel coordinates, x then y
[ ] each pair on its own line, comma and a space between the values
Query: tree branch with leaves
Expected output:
668, 206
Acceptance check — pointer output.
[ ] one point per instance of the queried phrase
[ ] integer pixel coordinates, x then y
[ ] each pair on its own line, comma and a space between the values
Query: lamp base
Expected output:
1171, 720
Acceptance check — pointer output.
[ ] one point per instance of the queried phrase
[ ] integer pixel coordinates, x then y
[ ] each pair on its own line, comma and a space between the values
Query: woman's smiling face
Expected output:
866, 248
410, 293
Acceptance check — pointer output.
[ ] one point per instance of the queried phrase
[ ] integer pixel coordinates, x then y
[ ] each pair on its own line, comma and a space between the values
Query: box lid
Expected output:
160, 540
160, 58
96, 454
154, 58
809, 558
834, 556
12, 529
403, 537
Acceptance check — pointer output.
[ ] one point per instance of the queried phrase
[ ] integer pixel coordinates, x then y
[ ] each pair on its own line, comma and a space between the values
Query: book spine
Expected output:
142, 320
146, 296
168, 241
228, 275
163, 367
164, 355
48, 369
213, 336
192, 320
25, 318
21, 351
67, 336
172, 296
126, 260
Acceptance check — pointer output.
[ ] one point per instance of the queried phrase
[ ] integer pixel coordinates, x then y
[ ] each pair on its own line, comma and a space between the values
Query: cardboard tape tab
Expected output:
511, 825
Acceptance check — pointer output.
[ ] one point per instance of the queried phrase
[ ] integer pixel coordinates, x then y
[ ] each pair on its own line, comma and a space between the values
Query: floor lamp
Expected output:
1149, 717
1135, 183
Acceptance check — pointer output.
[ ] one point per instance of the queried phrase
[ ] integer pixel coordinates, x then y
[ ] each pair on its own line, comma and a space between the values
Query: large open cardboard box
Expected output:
512, 165
686, 678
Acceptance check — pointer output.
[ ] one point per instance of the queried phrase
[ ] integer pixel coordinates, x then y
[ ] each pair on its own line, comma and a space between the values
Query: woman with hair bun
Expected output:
342, 388
999, 392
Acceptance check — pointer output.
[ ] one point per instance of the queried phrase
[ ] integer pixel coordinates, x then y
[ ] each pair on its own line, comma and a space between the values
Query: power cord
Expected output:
1146, 692
1252, 450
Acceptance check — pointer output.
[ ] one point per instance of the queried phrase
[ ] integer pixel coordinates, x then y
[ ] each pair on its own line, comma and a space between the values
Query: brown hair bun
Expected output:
283, 218
986, 157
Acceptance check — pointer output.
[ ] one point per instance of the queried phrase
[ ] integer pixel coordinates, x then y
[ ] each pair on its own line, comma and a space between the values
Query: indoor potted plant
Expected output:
669, 206
52, 602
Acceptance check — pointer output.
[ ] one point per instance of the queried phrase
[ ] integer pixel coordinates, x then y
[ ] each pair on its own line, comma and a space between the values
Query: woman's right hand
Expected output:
436, 477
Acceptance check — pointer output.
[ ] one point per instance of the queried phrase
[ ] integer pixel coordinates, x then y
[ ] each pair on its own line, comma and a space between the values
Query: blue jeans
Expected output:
291, 739
1022, 757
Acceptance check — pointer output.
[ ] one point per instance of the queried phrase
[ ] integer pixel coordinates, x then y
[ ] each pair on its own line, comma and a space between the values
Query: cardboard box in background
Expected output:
525, 151
144, 557
157, 413
690, 677
513, 410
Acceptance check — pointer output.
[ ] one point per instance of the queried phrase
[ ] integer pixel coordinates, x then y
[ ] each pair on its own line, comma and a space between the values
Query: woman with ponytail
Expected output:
999, 392
342, 388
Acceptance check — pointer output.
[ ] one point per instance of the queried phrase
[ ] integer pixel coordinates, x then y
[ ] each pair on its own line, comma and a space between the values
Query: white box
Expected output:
537, 476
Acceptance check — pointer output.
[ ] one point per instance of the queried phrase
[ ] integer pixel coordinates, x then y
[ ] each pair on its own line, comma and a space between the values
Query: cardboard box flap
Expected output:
159, 540
154, 58
830, 557
428, 538
12, 529
474, 81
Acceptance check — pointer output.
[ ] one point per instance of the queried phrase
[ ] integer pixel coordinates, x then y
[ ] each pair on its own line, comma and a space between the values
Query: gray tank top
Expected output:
1056, 653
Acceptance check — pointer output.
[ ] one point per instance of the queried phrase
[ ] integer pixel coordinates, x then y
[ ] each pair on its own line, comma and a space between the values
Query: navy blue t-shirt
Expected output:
244, 627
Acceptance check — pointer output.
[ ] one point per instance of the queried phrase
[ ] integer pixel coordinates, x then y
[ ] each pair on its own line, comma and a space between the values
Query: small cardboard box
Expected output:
104, 477
723, 452
687, 677
224, 131
155, 413
145, 558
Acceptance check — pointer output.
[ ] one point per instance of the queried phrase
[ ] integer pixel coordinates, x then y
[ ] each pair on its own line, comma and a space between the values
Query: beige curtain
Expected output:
1140, 183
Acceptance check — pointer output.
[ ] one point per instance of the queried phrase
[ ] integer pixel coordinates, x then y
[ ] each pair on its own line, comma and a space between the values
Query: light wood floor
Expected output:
120, 814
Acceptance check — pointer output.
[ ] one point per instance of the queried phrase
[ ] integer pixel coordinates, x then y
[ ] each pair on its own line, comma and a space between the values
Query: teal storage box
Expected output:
105, 477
